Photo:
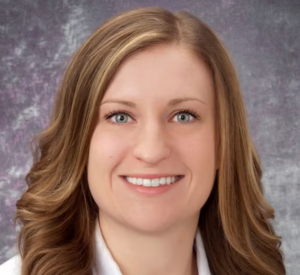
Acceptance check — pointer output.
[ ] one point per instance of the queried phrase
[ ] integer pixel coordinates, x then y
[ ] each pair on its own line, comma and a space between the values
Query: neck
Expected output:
143, 253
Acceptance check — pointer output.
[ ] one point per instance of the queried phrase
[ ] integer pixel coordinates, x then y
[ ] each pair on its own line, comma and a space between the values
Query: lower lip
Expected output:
151, 191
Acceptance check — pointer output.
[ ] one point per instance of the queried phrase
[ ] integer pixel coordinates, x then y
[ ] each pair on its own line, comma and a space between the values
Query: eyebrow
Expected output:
171, 103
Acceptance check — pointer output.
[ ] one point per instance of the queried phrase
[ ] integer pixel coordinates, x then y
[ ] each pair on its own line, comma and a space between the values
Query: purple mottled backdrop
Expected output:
37, 39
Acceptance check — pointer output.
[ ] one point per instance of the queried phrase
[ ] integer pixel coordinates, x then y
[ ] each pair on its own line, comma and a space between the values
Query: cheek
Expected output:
105, 153
197, 150
105, 149
198, 154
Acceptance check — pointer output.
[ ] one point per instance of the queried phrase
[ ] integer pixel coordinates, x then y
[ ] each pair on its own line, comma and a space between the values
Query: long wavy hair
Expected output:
57, 213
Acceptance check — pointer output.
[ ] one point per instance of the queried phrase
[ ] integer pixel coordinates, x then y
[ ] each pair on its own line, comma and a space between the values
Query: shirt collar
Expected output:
105, 264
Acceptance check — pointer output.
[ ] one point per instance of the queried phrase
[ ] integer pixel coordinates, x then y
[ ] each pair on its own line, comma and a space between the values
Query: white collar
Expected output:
106, 265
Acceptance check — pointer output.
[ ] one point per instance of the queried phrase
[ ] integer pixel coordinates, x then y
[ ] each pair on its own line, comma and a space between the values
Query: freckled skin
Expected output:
153, 140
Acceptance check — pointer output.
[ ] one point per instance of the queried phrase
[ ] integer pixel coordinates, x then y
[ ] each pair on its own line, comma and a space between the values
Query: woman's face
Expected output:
165, 128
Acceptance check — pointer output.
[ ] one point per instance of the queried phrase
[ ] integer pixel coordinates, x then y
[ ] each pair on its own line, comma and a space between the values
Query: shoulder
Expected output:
12, 266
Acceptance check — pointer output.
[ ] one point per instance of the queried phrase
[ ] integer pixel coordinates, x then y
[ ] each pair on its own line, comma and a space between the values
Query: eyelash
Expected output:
118, 112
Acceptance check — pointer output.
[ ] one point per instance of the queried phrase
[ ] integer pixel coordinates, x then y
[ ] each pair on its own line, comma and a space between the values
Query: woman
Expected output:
147, 166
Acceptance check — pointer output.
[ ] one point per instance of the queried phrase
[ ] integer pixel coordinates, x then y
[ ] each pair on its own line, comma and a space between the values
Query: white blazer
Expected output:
104, 263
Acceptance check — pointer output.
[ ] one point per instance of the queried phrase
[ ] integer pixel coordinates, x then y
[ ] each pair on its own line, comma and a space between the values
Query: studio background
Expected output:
38, 38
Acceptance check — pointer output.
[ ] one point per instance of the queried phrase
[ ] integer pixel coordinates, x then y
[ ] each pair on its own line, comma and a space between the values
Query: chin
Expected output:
149, 223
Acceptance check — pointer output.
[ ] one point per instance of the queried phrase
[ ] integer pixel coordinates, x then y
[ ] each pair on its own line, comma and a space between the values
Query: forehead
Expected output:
161, 72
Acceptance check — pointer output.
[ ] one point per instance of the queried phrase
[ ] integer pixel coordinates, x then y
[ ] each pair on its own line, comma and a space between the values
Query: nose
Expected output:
151, 144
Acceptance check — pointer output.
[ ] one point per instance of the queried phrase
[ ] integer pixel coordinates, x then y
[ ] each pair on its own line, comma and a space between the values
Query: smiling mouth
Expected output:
153, 182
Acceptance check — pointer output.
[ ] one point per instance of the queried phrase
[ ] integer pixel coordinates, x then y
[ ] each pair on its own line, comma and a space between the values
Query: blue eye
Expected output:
184, 117
121, 117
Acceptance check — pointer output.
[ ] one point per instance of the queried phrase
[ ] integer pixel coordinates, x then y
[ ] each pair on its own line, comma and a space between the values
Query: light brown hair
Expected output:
57, 212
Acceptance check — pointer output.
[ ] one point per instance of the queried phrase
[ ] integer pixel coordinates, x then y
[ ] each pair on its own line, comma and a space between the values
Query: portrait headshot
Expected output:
149, 153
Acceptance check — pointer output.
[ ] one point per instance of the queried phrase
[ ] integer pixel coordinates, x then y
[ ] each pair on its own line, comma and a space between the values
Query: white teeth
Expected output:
162, 181
155, 182
147, 182
152, 182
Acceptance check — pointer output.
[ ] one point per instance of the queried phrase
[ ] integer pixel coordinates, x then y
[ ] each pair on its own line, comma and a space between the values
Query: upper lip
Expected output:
151, 176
